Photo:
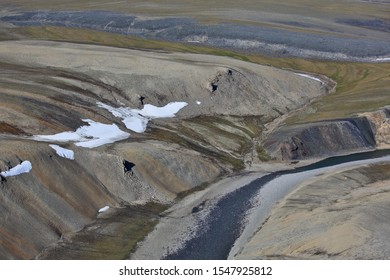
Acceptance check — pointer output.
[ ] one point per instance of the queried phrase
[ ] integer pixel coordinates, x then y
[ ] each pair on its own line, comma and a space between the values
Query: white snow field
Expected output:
62, 152
104, 209
96, 134
24, 167
310, 77
93, 135
137, 120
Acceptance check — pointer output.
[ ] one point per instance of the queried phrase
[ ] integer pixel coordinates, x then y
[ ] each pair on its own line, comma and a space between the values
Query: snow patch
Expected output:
96, 134
310, 77
24, 167
167, 111
383, 59
198, 102
137, 120
62, 152
104, 209
93, 135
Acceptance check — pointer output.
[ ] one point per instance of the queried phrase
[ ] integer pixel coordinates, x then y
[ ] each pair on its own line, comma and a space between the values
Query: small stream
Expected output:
226, 221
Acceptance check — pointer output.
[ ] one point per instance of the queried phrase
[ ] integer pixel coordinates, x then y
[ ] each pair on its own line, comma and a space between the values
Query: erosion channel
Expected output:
222, 225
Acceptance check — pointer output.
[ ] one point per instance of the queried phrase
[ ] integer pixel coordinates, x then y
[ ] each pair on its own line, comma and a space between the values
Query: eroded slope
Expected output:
326, 138
49, 88
334, 216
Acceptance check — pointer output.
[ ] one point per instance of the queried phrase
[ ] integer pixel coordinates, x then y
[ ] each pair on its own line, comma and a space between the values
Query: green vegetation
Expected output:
186, 139
211, 10
360, 86
110, 238
87, 36
262, 154
231, 135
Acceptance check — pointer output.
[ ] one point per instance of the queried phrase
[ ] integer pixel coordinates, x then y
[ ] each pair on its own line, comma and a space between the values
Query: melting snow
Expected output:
104, 209
96, 134
168, 111
137, 120
24, 167
383, 59
310, 77
62, 152
89, 136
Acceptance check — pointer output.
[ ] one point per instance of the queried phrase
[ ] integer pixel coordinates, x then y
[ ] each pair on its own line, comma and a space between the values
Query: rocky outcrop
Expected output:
327, 138
380, 123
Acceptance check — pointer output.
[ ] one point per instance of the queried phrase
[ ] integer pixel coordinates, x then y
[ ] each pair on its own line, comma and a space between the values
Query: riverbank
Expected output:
52, 87
189, 218
180, 222
274, 193
340, 214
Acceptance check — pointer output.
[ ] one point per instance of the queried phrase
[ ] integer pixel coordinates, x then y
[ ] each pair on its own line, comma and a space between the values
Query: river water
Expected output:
226, 222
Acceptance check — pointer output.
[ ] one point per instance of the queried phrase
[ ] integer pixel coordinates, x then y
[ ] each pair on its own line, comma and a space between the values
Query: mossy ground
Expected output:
109, 238
224, 139
191, 8
360, 86
262, 154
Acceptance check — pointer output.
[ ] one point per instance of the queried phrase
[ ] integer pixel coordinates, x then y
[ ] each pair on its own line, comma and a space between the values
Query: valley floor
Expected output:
121, 133
189, 217
337, 215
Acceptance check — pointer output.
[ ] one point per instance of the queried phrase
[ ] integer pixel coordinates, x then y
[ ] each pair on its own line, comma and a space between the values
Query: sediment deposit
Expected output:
341, 215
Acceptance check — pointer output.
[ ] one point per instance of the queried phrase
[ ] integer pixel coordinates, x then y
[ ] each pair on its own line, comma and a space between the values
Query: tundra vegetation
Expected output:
246, 104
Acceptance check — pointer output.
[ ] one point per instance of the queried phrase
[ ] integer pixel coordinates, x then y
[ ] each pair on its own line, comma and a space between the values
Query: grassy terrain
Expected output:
216, 9
262, 154
304, 16
192, 142
116, 40
226, 139
116, 238
361, 86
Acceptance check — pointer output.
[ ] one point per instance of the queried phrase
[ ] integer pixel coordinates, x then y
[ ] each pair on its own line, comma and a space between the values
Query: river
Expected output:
226, 223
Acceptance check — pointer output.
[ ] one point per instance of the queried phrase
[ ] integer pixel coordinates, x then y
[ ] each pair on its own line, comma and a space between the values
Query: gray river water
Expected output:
226, 222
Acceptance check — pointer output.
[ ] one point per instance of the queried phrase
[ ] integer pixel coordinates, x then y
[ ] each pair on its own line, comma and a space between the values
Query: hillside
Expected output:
123, 120
341, 215
50, 88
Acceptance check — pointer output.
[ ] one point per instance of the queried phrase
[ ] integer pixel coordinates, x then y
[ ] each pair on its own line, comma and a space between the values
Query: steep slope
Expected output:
326, 138
380, 124
223, 85
341, 215
58, 89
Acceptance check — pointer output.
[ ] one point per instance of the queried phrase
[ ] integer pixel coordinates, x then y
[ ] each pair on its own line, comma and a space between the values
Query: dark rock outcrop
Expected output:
321, 139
